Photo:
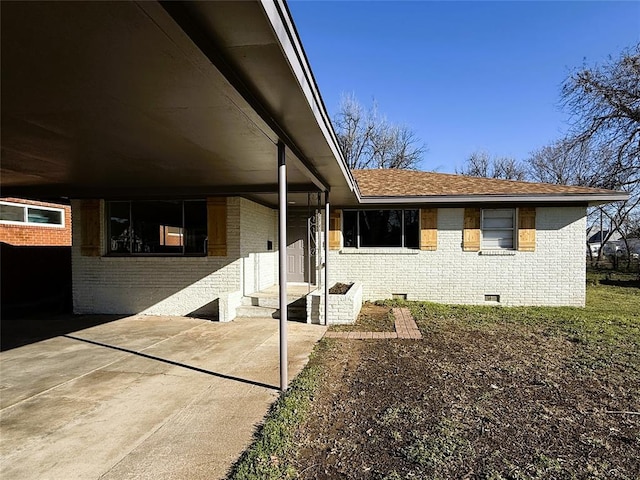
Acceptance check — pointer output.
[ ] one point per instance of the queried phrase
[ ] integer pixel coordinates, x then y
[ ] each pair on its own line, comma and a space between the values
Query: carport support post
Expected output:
326, 257
282, 262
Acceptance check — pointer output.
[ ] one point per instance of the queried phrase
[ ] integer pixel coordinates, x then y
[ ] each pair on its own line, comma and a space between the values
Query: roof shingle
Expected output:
411, 183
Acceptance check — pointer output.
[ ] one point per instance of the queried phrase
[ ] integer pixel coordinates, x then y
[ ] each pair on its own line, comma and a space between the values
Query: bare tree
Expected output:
604, 104
602, 148
481, 164
560, 163
368, 140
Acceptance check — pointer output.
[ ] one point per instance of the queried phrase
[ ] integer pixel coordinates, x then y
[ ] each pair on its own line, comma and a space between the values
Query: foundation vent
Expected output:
492, 298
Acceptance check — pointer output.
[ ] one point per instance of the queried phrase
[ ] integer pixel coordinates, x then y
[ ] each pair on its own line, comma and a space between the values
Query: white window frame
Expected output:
513, 228
25, 208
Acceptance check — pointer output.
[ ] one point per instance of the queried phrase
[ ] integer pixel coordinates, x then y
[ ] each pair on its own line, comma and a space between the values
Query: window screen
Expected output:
498, 228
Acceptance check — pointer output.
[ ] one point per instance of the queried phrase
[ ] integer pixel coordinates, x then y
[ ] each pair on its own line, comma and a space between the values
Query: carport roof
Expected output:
118, 99
189, 99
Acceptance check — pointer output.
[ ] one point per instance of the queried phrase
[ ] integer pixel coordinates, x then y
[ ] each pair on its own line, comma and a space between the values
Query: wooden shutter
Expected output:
527, 229
471, 231
90, 228
428, 229
335, 230
217, 226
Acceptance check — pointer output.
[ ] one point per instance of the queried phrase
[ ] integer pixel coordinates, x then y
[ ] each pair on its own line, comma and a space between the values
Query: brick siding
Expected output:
552, 275
33, 235
178, 285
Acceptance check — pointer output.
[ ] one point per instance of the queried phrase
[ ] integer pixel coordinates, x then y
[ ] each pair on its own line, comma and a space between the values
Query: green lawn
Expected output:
611, 315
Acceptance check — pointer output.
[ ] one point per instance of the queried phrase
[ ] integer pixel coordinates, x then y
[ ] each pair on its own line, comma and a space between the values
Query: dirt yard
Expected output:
488, 393
477, 398
372, 318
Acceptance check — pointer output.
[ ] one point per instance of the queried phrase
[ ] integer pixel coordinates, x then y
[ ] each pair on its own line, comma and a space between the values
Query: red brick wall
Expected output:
32, 235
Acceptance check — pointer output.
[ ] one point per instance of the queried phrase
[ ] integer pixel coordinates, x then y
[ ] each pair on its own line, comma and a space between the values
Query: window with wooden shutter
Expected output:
335, 232
90, 228
217, 226
527, 229
498, 228
428, 229
471, 230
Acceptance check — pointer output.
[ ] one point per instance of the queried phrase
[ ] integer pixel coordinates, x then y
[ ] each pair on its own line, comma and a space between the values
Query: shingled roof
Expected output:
411, 183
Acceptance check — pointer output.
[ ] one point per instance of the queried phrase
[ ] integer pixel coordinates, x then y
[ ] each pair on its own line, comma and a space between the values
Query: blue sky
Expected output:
464, 76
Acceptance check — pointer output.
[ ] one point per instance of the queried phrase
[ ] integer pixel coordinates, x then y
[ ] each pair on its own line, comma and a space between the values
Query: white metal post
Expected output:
326, 257
282, 262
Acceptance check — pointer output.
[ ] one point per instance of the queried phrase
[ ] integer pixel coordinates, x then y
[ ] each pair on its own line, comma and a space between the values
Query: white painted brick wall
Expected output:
259, 224
343, 309
552, 275
175, 285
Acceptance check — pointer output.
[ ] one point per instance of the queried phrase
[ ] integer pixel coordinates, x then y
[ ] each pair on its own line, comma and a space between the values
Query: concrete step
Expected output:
294, 313
262, 300
253, 311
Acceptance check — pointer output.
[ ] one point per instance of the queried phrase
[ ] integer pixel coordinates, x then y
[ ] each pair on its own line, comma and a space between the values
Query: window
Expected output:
498, 227
171, 227
381, 228
14, 213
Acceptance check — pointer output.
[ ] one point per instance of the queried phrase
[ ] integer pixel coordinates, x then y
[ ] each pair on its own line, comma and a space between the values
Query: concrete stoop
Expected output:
267, 303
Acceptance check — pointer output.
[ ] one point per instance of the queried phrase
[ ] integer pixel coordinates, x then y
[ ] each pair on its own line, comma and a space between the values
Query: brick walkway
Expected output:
405, 328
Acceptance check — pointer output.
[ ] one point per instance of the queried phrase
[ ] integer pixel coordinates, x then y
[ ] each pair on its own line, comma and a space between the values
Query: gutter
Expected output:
591, 199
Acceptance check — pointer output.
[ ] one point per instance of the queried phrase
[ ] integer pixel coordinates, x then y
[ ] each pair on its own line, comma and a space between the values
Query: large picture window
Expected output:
381, 228
14, 213
171, 227
498, 228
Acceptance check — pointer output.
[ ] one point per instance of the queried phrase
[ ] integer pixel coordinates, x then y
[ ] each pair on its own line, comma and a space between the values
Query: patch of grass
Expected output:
611, 315
273, 442
433, 451
600, 276
606, 331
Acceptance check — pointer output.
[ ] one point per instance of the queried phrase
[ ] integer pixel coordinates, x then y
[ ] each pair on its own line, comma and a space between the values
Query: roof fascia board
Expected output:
281, 22
591, 199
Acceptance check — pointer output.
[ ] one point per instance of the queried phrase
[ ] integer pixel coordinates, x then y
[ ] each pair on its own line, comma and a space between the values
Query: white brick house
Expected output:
493, 242
552, 275
201, 166
463, 240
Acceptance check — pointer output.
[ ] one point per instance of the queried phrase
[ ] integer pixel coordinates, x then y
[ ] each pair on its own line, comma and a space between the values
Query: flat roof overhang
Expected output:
132, 99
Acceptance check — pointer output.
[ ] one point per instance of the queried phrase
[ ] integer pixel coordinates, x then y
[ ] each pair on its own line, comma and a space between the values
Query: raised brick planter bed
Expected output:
343, 308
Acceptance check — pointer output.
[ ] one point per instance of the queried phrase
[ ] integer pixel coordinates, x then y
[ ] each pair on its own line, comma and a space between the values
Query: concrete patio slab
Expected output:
142, 397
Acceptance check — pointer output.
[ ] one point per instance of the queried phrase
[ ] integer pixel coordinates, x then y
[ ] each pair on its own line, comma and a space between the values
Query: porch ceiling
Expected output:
123, 99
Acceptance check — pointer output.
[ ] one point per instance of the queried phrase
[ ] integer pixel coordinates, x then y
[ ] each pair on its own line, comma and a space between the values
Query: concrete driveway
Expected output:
141, 397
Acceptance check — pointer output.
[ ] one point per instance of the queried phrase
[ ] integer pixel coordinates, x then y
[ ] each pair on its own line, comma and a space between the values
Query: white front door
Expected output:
296, 245
295, 261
